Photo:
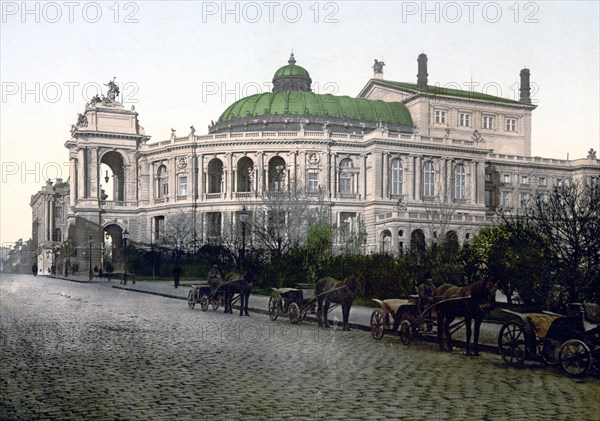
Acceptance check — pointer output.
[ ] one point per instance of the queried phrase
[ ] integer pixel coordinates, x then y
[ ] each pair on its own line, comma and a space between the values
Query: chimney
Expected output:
422, 75
525, 89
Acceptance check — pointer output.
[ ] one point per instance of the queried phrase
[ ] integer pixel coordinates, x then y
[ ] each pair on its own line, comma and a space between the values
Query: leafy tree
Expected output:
516, 259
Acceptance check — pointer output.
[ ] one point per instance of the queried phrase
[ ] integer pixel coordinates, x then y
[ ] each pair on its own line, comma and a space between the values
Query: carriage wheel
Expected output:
294, 313
204, 302
191, 299
405, 332
511, 343
215, 304
377, 324
574, 357
273, 308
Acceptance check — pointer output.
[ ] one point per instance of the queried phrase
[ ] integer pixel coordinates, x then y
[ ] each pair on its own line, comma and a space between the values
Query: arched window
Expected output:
346, 178
162, 180
386, 241
459, 181
417, 243
428, 179
215, 175
277, 174
396, 177
245, 174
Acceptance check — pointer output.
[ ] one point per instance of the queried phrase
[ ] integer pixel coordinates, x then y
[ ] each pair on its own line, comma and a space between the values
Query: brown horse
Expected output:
472, 302
329, 290
238, 284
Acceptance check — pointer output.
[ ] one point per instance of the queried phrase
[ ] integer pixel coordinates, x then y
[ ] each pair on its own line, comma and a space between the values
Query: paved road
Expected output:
85, 351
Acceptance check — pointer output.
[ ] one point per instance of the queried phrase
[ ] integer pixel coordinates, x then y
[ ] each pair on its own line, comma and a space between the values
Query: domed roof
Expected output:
291, 70
310, 104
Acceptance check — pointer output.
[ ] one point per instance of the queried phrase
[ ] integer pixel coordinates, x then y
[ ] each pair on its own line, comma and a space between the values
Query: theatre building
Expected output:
405, 163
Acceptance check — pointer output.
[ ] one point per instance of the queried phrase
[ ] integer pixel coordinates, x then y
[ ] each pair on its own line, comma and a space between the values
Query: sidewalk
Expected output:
360, 316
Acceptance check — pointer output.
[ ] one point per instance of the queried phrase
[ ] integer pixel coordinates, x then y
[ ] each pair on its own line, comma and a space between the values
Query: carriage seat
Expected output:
591, 314
394, 304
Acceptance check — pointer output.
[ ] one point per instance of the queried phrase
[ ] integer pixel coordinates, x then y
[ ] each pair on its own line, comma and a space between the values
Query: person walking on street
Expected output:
176, 275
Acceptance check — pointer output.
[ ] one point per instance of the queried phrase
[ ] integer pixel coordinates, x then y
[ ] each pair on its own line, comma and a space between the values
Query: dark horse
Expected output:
235, 283
329, 290
472, 302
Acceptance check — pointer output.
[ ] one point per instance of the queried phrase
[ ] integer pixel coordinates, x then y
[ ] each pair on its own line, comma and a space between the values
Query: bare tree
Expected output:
440, 208
281, 219
569, 218
178, 234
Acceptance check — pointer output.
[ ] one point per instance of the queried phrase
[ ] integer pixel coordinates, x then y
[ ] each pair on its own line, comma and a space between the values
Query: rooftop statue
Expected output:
591, 154
113, 91
378, 66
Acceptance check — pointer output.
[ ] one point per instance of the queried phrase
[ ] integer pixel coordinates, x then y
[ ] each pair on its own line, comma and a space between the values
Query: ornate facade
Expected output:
405, 163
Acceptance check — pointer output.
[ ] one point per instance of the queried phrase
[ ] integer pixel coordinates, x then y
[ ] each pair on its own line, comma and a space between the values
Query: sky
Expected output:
182, 64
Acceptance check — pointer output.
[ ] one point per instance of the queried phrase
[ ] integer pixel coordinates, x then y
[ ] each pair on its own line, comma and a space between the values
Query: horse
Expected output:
472, 302
235, 283
329, 290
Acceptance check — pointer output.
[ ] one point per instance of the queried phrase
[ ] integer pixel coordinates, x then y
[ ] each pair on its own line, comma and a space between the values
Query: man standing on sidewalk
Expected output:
176, 275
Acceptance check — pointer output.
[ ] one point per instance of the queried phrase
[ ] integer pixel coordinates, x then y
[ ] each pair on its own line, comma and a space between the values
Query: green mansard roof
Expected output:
311, 104
440, 90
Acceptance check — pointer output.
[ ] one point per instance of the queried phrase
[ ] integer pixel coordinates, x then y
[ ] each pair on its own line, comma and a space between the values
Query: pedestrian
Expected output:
109, 271
176, 275
34, 269
96, 271
100, 273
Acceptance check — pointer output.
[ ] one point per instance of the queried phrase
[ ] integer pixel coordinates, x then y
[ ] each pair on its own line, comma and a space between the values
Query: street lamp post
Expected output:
125, 237
90, 274
243, 219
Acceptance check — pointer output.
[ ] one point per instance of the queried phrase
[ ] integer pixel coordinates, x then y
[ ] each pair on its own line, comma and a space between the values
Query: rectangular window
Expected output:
159, 227
346, 183
488, 176
505, 199
440, 117
488, 122
464, 119
213, 225
313, 182
511, 124
559, 182
506, 178
346, 225
183, 185
524, 179
523, 201
488, 198
542, 181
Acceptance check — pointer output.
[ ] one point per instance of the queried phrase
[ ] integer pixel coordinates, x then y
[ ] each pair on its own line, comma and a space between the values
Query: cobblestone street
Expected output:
88, 351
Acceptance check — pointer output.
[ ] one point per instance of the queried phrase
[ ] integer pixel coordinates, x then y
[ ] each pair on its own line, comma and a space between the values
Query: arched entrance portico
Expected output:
113, 251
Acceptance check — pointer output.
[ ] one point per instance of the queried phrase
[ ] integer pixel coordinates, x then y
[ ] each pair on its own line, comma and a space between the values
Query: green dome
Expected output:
291, 70
311, 104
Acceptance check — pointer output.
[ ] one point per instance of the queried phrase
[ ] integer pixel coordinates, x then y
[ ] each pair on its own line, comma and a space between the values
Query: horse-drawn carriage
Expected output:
418, 316
235, 287
290, 301
328, 294
202, 294
572, 342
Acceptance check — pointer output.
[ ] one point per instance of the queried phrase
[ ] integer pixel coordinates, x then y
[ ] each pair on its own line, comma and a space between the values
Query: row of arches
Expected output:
417, 241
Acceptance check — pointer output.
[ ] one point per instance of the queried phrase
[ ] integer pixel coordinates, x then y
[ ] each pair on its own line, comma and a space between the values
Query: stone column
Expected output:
73, 183
385, 187
81, 173
94, 169
417, 185
365, 176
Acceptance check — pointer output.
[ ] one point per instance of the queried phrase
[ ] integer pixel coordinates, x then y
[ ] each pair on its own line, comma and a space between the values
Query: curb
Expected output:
310, 318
